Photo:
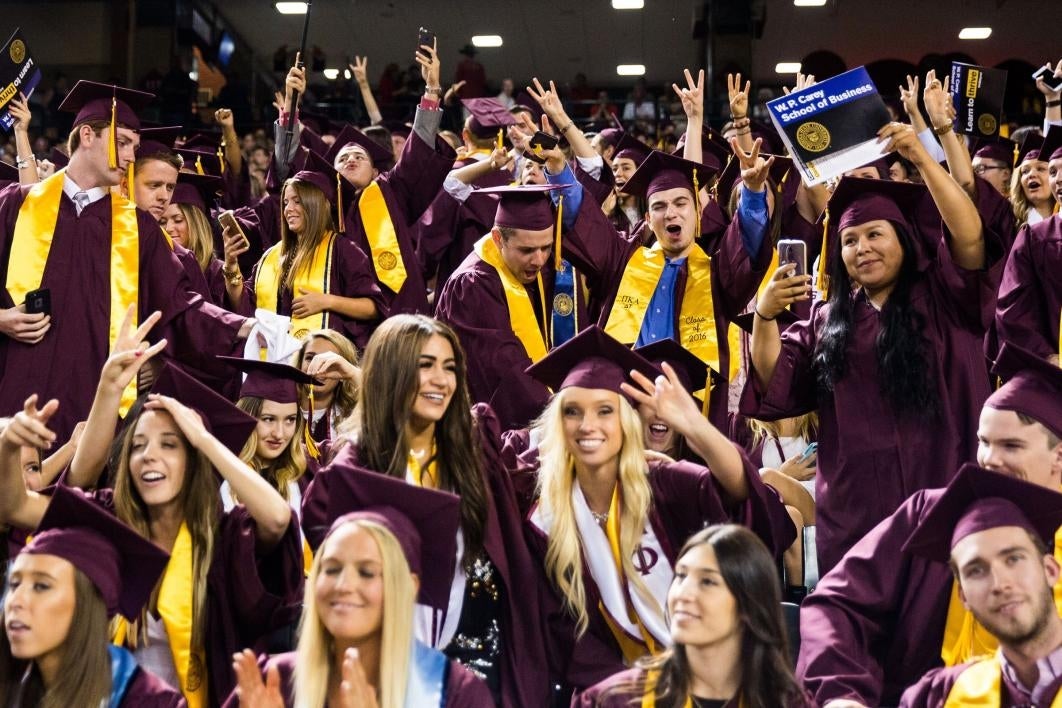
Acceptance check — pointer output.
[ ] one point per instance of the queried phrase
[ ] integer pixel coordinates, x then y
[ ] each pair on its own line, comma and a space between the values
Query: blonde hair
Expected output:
200, 239
298, 250
556, 476
316, 648
291, 464
806, 427
345, 396
1019, 202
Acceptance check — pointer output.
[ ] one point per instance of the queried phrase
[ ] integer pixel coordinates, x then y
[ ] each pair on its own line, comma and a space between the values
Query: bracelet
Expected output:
22, 162
568, 127
433, 89
1054, 103
741, 122
766, 319
746, 131
942, 129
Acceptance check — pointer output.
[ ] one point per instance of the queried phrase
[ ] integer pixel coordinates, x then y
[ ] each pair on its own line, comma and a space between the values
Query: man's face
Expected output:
153, 187
95, 148
1008, 446
673, 219
354, 163
1006, 583
994, 172
525, 252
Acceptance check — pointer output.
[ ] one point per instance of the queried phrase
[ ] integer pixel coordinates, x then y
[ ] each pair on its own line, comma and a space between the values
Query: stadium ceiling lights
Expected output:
291, 8
487, 40
975, 33
809, 3
628, 4
631, 69
787, 67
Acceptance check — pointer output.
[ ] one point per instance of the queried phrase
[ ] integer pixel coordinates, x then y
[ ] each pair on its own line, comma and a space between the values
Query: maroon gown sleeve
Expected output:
792, 389
352, 276
593, 697
466, 690
736, 276
418, 176
1030, 294
149, 691
933, 689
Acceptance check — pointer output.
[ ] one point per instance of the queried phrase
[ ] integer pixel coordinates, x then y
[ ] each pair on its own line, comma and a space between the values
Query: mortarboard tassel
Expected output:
557, 234
821, 279
112, 144
697, 202
311, 446
221, 156
501, 139
199, 165
130, 175
339, 204
1017, 155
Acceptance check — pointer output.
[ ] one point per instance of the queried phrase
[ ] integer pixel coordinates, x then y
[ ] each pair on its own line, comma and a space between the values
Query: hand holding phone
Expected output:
39, 301
810, 450
1052, 82
425, 38
228, 222
539, 144
793, 251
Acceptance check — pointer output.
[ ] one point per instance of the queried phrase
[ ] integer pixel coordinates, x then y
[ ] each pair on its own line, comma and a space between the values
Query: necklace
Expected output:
599, 518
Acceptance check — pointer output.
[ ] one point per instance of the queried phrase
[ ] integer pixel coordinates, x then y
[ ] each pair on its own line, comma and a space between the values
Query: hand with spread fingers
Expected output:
131, 351
783, 289
738, 96
692, 96
29, 427
754, 169
252, 691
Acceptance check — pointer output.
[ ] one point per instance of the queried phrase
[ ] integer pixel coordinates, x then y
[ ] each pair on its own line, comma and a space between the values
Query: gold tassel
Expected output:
340, 227
112, 144
311, 446
199, 165
557, 234
697, 202
501, 139
221, 156
130, 175
821, 280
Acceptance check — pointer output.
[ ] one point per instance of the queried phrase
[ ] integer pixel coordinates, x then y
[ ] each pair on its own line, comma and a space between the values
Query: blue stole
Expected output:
123, 668
563, 322
426, 683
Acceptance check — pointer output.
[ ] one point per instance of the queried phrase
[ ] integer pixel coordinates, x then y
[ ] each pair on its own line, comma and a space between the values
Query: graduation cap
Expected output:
590, 359
425, 522
226, 422
1033, 387
1030, 148
523, 206
200, 162
337, 190
93, 101
1002, 150
8, 172
711, 143
196, 190
662, 171
269, 380
352, 136
204, 141
1052, 146
631, 148
486, 116
978, 500
155, 141
611, 136
123, 565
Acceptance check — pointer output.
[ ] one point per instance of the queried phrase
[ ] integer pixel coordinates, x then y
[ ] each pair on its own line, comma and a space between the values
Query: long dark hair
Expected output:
905, 374
390, 380
748, 570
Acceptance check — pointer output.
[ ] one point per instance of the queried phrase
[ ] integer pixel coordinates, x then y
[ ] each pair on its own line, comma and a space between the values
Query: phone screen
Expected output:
1055, 84
425, 38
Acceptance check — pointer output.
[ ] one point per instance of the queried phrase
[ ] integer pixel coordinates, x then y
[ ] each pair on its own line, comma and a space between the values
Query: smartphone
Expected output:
793, 251
228, 221
810, 450
539, 143
1048, 75
39, 301
425, 38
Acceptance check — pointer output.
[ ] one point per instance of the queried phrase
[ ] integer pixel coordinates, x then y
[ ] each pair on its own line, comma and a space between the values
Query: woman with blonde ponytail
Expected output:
607, 522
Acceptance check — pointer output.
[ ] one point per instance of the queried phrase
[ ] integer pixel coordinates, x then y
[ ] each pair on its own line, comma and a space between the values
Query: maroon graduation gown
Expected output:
146, 690
350, 276
462, 688
408, 188
875, 623
522, 659
260, 223
1030, 294
685, 499
932, 691
66, 363
869, 458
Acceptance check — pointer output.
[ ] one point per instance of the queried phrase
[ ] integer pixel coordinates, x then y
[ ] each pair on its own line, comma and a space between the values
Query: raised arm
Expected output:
24, 160
20, 507
231, 141
692, 98
359, 69
1052, 99
783, 289
739, 109
942, 115
551, 105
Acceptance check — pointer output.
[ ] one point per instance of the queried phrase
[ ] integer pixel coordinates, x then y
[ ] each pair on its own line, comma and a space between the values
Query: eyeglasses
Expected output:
981, 169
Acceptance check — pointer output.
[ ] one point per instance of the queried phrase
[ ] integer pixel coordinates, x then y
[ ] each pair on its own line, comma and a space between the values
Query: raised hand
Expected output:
430, 67
19, 109
1044, 88
903, 139
937, 99
355, 691
250, 689
131, 351
223, 117
754, 169
666, 397
29, 427
549, 100
909, 96
739, 97
187, 420
294, 81
803, 81
783, 289
359, 69
692, 96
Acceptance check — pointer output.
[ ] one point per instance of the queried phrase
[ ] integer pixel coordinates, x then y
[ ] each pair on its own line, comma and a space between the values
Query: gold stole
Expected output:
175, 608
383, 240
521, 313
632, 649
649, 697
964, 637
317, 278
696, 330
418, 472
981, 685
31, 244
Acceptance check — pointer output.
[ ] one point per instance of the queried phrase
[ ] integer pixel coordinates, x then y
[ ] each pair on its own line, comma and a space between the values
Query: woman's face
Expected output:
592, 430
658, 435
702, 609
437, 381
1034, 181
276, 428
294, 213
39, 606
30, 462
158, 458
175, 224
349, 590
872, 254
320, 345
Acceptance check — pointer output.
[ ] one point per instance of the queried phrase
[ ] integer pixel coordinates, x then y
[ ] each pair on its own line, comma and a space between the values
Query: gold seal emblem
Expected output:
986, 123
300, 333
17, 51
562, 304
195, 672
387, 260
813, 136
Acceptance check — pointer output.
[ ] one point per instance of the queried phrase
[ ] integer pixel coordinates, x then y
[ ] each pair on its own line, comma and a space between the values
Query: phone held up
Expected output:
793, 251
425, 38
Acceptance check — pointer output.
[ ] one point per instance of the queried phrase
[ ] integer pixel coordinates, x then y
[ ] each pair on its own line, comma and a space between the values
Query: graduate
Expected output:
82, 271
331, 358
315, 275
729, 645
1030, 190
82, 567
892, 359
187, 221
414, 421
883, 617
1029, 309
996, 533
604, 524
385, 551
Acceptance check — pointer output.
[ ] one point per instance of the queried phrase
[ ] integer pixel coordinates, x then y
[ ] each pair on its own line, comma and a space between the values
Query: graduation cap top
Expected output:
203, 141
1052, 147
523, 206
590, 359
978, 500
196, 190
1030, 148
631, 148
1034, 387
691, 371
155, 141
661, 171
487, 115
350, 135
1001, 149
93, 101
611, 136
268, 380
123, 565
230, 425
424, 521
200, 162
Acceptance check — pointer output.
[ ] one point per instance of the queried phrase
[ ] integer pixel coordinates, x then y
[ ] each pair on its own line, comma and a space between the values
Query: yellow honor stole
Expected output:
31, 244
981, 685
632, 649
383, 240
315, 278
175, 608
649, 697
965, 638
696, 330
427, 475
521, 313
